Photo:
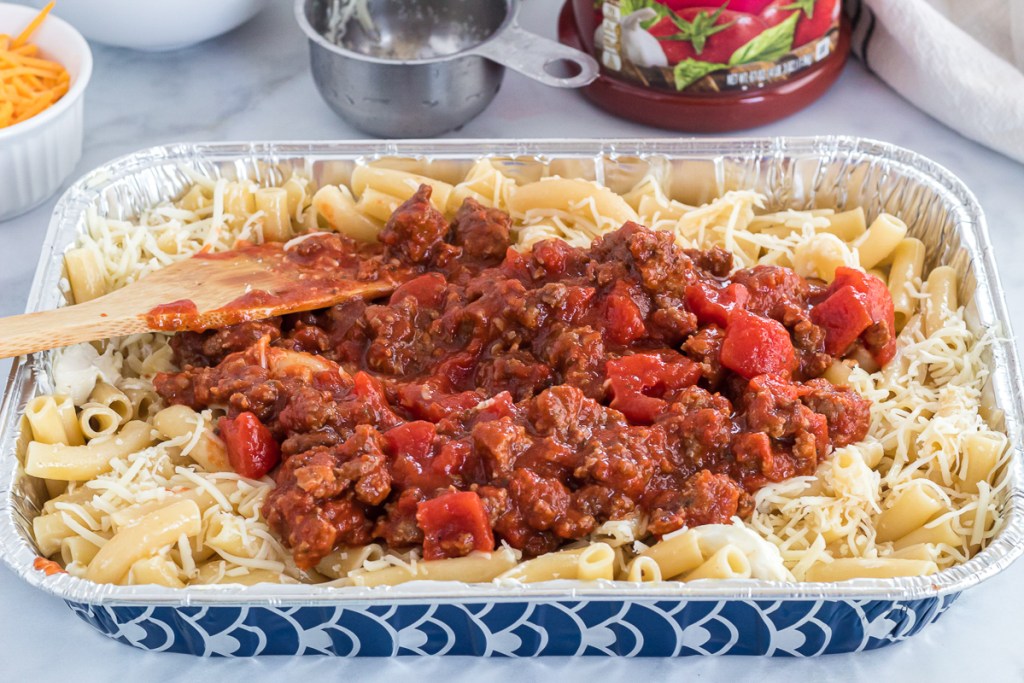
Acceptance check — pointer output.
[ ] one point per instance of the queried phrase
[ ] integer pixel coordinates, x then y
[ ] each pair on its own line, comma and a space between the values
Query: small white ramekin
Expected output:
38, 155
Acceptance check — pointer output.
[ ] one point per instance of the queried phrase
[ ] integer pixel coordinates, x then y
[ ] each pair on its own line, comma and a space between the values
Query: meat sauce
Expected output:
529, 397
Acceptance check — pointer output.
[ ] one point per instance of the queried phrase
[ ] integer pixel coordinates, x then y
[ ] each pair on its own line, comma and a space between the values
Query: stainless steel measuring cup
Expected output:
419, 68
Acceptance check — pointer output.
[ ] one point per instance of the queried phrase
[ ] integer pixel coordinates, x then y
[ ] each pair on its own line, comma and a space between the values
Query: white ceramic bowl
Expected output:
155, 25
38, 154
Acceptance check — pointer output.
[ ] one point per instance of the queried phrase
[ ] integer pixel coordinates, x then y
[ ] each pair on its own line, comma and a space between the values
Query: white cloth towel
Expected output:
960, 61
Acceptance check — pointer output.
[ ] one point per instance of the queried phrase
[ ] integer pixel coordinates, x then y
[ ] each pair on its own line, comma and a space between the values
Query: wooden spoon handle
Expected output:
31, 332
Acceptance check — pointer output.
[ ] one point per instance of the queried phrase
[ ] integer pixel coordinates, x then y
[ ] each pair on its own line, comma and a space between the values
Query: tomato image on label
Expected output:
684, 44
708, 35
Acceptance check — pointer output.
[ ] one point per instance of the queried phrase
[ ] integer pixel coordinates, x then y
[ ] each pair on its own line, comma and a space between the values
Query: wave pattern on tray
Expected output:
597, 627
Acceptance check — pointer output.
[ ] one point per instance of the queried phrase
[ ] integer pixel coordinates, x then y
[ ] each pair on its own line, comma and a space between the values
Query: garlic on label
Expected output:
639, 46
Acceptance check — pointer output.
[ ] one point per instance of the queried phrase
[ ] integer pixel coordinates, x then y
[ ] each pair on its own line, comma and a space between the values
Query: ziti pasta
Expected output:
571, 384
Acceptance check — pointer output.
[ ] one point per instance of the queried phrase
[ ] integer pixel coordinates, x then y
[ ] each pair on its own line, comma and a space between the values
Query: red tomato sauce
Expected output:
309, 269
173, 315
528, 397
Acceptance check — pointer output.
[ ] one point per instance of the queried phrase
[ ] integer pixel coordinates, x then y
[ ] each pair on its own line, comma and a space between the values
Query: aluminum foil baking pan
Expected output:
744, 617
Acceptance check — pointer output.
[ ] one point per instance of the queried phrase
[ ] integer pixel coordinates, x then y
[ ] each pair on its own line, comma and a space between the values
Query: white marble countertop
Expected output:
254, 84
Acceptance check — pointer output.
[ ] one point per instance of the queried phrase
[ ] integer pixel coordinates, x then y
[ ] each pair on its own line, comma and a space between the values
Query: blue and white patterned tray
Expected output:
648, 628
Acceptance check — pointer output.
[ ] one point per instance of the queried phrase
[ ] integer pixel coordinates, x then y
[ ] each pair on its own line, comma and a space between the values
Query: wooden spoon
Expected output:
199, 293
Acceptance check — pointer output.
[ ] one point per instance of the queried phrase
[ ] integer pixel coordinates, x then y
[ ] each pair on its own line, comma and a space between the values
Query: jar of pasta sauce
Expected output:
708, 65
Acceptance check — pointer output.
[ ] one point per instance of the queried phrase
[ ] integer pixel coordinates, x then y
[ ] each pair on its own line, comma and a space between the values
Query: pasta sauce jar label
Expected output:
702, 46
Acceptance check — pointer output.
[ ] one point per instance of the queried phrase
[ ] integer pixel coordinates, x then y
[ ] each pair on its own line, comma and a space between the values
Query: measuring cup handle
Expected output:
529, 54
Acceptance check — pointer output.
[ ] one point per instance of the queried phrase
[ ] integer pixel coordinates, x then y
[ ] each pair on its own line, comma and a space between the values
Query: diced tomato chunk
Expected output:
515, 264
252, 450
624, 321
877, 296
757, 346
848, 277
577, 303
852, 298
457, 370
843, 316
712, 305
428, 290
411, 446
453, 459
454, 525
415, 439
641, 382
553, 256
368, 388
370, 401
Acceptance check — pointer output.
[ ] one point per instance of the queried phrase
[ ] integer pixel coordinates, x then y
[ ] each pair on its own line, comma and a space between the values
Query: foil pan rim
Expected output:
18, 554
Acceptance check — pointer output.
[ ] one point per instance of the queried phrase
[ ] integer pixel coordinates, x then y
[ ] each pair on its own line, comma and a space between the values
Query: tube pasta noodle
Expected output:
676, 555
982, 451
72, 430
155, 570
277, 222
343, 561
934, 533
884, 235
941, 301
295, 189
239, 203
144, 402
847, 225
219, 573
597, 561
571, 196
81, 463
154, 531
45, 421
588, 563
77, 550
50, 531
838, 373
859, 568
113, 398
925, 552
377, 205
473, 568
225, 533
484, 183
176, 422
643, 570
398, 184
727, 563
159, 503
202, 497
336, 206
98, 420
905, 273
911, 509
85, 274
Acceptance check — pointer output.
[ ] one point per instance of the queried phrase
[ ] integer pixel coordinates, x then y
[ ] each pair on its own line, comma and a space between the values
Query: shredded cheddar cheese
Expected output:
29, 83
